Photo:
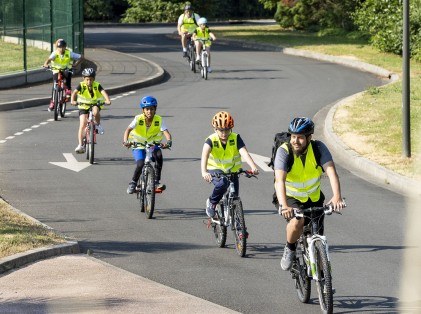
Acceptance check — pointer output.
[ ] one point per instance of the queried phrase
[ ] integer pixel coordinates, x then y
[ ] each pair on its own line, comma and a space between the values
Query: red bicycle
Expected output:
59, 94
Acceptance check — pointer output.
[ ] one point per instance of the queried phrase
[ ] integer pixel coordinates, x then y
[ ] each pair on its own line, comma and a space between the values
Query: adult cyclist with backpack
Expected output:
298, 185
186, 24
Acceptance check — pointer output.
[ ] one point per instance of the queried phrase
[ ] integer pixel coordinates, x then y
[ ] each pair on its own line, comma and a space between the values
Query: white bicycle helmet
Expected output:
202, 20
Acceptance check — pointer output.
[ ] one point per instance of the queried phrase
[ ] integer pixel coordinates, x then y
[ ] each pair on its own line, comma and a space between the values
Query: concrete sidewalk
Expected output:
77, 283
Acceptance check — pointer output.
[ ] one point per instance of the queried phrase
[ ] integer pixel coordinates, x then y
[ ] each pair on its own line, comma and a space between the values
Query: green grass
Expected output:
376, 117
12, 57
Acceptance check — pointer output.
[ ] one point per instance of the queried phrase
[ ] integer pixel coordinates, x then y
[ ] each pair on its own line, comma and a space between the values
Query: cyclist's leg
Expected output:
97, 115
83, 120
68, 77
236, 184
220, 187
198, 49
159, 161
139, 157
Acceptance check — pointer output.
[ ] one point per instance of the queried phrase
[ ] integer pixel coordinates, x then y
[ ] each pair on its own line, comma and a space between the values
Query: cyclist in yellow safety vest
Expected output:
62, 59
147, 127
222, 152
89, 92
187, 23
300, 186
203, 32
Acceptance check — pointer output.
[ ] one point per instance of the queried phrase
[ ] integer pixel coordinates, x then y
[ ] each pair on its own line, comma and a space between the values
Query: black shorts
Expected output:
86, 111
294, 203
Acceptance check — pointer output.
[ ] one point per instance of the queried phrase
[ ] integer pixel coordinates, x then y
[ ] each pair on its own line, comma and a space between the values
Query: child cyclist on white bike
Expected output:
147, 127
203, 32
222, 152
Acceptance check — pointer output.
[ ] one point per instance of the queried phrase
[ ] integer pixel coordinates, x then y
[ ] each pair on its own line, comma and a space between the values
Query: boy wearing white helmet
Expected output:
203, 32
88, 93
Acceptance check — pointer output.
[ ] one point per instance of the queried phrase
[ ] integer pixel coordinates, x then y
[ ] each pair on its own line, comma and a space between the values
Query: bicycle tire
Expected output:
299, 274
220, 230
63, 104
205, 72
140, 195
56, 104
239, 227
91, 149
324, 284
149, 191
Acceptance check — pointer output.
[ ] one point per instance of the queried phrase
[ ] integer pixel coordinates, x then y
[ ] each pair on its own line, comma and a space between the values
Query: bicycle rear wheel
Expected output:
91, 149
239, 227
149, 191
324, 284
56, 104
299, 274
193, 60
220, 230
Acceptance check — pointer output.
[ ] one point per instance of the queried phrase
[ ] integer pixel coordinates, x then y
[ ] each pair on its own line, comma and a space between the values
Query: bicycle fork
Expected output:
311, 252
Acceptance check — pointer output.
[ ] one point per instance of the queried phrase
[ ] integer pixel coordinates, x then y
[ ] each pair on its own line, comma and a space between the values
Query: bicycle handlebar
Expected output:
326, 209
146, 145
49, 68
246, 173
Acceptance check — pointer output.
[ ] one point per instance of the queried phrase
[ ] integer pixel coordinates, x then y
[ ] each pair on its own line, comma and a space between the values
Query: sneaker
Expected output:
80, 149
184, 54
51, 105
287, 258
100, 129
131, 188
197, 61
209, 70
210, 208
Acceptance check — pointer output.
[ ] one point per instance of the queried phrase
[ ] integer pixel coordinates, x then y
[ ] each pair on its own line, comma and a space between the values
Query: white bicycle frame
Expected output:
312, 270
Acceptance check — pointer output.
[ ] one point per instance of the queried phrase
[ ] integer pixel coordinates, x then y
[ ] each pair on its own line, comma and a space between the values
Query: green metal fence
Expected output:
30, 27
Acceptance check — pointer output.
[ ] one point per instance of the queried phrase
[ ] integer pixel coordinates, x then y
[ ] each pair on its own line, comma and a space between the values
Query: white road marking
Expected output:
71, 163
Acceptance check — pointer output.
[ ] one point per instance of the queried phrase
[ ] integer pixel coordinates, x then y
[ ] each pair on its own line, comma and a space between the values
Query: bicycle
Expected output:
229, 213
191, 54
204, 58
59, 94
145, 188
89, 139
312, 260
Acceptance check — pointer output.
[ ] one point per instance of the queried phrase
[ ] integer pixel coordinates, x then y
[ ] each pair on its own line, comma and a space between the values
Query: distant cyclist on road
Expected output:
222, 152
187, 23
147, 127
62, 59
300, 186
89, 92
203, 32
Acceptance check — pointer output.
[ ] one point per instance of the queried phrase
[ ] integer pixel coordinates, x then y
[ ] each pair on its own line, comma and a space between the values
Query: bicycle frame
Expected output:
204, 58
58, 94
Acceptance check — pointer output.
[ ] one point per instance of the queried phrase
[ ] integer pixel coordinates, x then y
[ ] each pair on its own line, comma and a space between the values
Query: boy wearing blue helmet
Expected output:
147, 127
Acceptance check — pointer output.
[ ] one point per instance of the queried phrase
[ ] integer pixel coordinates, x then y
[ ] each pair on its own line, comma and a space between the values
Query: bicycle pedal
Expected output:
159, 191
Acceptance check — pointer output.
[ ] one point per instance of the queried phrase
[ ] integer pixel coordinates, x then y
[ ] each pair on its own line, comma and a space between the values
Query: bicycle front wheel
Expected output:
324, 284
239, 227
220, 230
56, 104
91, 149
149, 190
63, 103
299, 274
140, 194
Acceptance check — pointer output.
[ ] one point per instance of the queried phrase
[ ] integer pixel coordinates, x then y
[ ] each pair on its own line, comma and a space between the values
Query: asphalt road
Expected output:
263, 91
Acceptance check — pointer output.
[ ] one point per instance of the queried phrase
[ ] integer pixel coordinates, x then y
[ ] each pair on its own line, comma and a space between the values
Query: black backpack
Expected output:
284, 137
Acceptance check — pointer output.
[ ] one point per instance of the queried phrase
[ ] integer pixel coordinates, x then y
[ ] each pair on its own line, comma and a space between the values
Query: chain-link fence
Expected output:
29, 28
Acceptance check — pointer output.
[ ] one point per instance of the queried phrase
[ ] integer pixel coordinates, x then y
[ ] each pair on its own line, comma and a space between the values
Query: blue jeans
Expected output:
221, 185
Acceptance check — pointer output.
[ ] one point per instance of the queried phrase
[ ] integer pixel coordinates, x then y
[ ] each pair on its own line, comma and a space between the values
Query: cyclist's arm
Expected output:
126, 135
336, 200
212, 36
280, 177
107, 98
246, 156
204, 162
73, 98
180, 24
78, 60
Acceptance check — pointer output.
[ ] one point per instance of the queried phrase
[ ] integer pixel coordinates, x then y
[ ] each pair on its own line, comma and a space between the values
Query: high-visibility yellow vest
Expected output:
203, 35
189, 23
85, 98
228, 159
142, 134
61, 63
303, 181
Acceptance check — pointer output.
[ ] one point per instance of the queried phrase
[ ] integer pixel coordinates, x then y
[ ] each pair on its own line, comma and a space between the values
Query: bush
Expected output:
141, 11
382, 21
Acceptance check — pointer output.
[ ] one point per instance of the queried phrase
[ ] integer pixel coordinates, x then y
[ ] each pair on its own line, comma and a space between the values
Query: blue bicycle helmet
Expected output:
148, 101
301, 125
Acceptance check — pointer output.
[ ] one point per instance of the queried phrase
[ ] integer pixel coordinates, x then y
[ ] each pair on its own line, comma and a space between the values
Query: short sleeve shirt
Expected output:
73, 55
133, 124
240, 142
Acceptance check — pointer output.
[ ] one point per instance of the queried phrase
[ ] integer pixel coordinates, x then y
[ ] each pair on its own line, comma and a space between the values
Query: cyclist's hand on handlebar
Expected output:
207, 176
127, 144
166, 145
287, 213
73, 103
108, 103
337, 204
255, 171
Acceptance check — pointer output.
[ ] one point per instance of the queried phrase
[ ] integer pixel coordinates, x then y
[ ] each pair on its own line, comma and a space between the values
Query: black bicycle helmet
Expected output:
188, 7
61, 43
301, 125
88, 72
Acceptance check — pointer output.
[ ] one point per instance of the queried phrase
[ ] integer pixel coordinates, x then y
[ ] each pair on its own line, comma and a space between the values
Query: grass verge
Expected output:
21, 234
12, 57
